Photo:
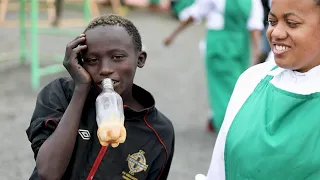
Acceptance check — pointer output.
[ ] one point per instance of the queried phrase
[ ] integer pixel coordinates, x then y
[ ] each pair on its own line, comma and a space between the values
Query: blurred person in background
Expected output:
265, 47
115, 4
177, 6
159, 5
58, 11
231, 26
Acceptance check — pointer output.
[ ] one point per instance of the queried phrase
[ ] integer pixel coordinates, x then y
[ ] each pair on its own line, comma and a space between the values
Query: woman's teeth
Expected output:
281, 48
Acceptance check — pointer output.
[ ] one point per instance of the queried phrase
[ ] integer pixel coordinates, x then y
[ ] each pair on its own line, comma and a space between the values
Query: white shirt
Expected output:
213, 11
292, 81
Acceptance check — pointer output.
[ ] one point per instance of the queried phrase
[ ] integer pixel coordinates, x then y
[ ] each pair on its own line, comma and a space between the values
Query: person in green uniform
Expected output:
155, 5
271, 127
232, 27
177, 6
58, 12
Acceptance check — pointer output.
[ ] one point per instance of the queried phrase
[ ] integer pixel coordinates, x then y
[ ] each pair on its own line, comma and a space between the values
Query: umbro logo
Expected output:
85, 134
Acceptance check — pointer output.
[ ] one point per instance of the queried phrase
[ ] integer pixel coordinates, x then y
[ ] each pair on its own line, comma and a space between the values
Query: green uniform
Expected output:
177, 6
227, 56
154, 1
227, 45
275, 141
271, 128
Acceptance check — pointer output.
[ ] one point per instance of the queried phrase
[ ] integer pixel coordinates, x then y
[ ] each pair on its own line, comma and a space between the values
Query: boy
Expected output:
63, 128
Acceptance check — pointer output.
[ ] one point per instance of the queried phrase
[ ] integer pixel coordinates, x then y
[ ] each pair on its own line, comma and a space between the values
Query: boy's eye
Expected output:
117, 57
91, 61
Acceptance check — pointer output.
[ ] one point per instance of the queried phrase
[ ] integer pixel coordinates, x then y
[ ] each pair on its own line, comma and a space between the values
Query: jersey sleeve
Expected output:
165, 173
160, 168
50, 105
198, 10
256, 16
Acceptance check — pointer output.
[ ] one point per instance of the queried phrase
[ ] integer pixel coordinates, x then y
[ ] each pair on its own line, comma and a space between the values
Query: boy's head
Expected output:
114, 50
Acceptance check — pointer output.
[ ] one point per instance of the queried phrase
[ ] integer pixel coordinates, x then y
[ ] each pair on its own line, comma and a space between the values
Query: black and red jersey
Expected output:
146, 154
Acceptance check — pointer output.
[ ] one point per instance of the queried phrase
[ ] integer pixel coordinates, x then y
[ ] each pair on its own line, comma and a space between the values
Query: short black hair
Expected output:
114, 20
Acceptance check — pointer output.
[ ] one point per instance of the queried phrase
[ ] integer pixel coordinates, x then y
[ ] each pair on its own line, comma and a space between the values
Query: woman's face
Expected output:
294, 33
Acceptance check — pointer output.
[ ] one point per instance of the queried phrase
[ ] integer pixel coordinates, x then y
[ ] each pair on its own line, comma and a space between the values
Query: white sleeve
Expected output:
217, 166
256, 16
198, 10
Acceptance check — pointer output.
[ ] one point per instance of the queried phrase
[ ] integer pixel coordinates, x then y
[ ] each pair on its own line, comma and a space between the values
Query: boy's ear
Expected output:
142, 59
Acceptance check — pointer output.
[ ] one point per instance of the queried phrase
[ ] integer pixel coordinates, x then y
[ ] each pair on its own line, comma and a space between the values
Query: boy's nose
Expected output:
105, 69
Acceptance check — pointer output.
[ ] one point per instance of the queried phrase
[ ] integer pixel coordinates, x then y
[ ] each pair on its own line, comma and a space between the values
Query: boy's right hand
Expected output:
80, 76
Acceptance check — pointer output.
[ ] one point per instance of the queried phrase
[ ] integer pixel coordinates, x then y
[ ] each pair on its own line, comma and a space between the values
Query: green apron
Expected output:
180, 5
275, 136
227, 56
154, 1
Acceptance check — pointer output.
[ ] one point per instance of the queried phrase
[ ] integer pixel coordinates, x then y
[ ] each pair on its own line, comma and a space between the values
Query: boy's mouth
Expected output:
115, 82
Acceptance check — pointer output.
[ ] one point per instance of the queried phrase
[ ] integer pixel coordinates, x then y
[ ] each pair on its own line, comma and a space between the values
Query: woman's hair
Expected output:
114, 20
317, 2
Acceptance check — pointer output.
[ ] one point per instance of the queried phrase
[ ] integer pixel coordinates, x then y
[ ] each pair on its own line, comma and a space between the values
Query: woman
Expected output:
271, 127
230, 26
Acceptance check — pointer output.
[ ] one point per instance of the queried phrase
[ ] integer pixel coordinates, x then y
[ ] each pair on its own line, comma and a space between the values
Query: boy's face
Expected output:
294, 34
111, 54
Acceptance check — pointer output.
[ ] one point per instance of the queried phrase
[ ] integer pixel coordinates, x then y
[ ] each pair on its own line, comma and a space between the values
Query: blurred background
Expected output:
33, 39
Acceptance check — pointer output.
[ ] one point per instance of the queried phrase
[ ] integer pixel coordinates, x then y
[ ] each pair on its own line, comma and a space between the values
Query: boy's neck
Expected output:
129, 100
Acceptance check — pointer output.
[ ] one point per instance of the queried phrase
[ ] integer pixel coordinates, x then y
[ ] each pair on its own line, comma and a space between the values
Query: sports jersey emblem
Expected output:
137, 162
85, 134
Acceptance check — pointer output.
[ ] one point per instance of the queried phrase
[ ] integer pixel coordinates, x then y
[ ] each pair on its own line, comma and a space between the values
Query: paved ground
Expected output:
174, 75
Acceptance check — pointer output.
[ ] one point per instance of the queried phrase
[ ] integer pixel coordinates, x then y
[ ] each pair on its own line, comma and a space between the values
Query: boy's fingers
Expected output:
77, 50
76, 42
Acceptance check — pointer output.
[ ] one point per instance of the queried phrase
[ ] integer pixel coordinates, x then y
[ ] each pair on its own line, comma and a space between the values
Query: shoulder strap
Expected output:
275, 71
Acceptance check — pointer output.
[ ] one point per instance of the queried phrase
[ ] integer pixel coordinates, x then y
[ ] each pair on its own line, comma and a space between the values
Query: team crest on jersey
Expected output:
137, 162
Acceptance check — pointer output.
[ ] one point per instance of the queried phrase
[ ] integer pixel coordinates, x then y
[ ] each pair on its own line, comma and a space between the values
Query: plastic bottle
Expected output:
110, 116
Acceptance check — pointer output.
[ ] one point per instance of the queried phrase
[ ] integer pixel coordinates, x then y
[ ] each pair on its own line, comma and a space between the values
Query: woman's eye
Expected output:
272, 22
292, 24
